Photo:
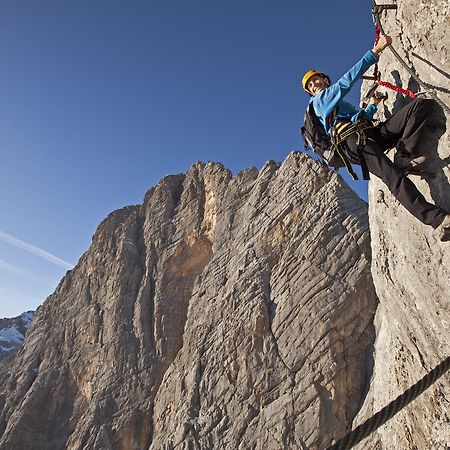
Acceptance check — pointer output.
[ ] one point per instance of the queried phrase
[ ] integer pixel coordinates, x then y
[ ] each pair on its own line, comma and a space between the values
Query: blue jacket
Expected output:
325, 102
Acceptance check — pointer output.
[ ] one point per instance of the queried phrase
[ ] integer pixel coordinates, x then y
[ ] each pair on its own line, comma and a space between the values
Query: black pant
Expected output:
406, 126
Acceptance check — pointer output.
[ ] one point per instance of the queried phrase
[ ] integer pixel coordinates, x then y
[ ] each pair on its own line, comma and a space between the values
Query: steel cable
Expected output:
382, 416
377, 15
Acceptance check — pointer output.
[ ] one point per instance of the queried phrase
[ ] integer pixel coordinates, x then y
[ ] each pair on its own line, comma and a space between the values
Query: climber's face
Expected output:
317, 83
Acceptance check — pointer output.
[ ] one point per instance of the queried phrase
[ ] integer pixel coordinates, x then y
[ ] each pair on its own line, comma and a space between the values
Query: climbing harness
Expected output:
316, 138
382, 416
343, 130
335, 153
376, 13
332, 149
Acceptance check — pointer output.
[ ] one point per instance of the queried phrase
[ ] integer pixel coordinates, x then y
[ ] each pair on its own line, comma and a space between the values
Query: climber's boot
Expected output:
443, 230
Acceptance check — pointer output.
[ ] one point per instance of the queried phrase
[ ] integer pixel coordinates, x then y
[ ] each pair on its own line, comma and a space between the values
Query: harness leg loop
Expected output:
361, 142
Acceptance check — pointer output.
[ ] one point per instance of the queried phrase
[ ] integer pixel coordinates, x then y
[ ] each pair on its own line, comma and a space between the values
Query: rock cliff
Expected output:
251, 311
411, 269
223, 312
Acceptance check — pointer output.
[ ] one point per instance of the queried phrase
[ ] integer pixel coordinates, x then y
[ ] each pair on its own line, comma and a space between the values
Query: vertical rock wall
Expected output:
225, 312
238, 312
411, 268
279, 357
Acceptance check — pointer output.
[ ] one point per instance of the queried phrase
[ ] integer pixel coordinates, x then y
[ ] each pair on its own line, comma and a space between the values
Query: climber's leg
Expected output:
400, 185
406, 127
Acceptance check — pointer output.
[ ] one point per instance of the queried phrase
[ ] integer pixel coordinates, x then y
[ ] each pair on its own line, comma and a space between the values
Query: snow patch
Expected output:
11, 335
27, 317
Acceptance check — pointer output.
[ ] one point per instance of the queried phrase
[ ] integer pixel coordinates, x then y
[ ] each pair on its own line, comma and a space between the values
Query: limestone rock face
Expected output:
411, 268
223, 312
242, 312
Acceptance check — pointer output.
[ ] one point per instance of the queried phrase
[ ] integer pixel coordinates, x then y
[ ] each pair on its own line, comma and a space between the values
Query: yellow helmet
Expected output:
307, 76
311, 73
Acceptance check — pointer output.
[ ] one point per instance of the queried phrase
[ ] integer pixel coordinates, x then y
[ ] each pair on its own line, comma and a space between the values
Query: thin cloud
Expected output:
34, 250
17, 270
11, 268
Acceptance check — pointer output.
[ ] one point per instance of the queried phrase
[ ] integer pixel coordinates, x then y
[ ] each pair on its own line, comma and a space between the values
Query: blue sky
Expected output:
101, 99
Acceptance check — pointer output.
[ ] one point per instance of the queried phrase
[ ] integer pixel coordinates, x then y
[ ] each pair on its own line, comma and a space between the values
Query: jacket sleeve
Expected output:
327, 100
370, 111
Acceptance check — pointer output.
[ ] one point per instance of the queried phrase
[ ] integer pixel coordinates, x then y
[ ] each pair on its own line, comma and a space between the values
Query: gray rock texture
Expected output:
223, 312
251, 311
411, 268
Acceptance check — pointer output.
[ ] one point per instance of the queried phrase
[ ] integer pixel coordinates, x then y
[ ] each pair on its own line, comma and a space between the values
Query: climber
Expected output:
360, 142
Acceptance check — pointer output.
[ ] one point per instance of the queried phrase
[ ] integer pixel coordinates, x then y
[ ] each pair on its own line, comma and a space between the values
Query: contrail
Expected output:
34, 250
17, 270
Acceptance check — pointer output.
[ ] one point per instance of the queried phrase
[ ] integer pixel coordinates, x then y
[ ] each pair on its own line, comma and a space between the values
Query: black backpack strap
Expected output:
331, 117
357, 128
361, 143
341, 151
339, 148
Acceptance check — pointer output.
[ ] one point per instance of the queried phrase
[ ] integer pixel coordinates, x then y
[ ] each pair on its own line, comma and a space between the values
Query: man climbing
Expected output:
360, 142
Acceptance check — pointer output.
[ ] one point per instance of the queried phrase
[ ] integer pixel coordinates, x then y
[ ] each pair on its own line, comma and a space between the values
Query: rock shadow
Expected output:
435, 176
436, 68
438, 182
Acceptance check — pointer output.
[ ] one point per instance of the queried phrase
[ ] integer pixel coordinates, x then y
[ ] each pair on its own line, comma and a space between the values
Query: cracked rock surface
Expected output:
241, 312
224, 312
411, 268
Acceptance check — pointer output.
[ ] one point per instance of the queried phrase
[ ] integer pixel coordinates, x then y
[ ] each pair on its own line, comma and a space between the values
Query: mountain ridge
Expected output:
270, 309
210, 272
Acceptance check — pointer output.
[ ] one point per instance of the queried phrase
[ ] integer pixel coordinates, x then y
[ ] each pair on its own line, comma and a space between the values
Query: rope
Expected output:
377, 32
397, 89
382, 416
377, 18
376, 72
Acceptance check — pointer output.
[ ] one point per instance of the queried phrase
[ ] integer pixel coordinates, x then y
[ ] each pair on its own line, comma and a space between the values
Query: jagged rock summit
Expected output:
223, 312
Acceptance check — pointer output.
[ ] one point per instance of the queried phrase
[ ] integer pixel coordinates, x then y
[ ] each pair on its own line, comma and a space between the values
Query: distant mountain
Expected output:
12, 333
